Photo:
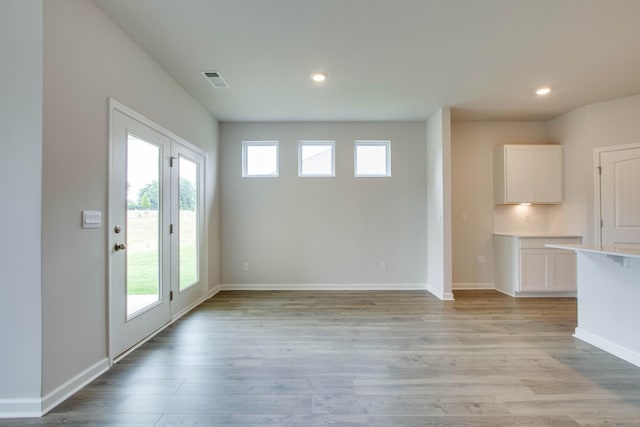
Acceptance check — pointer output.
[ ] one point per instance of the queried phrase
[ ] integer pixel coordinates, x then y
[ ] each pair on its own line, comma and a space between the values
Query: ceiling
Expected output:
391, 59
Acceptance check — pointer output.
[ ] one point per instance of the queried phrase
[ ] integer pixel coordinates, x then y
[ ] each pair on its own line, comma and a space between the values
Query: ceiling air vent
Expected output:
215, 79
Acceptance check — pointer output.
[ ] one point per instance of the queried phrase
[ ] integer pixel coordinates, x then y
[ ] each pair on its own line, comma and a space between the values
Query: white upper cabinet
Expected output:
527, 174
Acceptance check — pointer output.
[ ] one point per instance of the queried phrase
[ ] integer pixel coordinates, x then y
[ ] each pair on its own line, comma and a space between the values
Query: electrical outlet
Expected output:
245, 266
383, 266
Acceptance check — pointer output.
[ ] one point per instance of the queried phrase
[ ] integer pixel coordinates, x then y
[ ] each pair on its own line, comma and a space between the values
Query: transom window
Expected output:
316, 158
372, 158
260, 159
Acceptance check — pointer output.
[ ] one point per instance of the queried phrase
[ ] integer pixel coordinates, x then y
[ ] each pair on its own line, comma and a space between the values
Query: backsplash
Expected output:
521, 219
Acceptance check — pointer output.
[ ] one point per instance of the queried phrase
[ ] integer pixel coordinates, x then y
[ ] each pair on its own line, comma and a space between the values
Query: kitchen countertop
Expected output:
594, 249
539, 235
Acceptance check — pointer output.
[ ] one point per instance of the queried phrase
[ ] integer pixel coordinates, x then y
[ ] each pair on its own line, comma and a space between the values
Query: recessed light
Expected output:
543, 91
319, 77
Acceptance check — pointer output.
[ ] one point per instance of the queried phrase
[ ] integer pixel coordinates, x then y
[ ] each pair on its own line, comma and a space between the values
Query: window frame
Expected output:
372, 143
316, 142
245, 157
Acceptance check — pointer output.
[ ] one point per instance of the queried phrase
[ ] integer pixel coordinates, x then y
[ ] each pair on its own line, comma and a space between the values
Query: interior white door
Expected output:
620, 200
139, 221
188, 237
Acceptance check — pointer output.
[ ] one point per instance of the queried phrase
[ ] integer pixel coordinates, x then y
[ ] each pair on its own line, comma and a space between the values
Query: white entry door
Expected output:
620, 199
139, 221
157, 239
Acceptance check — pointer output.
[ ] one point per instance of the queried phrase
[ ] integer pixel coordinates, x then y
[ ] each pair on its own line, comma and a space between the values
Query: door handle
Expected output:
120, 247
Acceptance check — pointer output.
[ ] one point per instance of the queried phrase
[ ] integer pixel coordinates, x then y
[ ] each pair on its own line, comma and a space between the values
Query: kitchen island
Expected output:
608, 300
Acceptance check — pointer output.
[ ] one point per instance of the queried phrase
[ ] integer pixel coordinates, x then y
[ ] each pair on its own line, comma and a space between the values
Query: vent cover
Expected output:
215, 79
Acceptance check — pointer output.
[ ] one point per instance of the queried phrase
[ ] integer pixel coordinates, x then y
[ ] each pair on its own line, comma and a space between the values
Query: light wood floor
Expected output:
364, 359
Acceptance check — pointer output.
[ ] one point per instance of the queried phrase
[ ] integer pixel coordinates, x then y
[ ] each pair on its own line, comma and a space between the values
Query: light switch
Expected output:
91, 219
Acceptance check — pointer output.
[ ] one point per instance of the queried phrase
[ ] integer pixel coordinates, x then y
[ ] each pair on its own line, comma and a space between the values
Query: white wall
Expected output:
472, 195
87, 59
438, 167
20, 195
595, 125
324, 231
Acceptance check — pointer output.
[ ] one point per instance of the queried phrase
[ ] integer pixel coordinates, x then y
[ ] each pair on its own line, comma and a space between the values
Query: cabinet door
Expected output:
534, 270
563, 277
519, 174
548, 174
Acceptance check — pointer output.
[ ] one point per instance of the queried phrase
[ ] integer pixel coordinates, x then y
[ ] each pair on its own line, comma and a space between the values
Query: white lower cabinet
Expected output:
547, 270
523, 266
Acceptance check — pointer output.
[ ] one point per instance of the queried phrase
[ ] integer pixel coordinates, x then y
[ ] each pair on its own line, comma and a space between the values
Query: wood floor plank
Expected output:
175, 420
377, 359
85, 419
475, 421
407, 405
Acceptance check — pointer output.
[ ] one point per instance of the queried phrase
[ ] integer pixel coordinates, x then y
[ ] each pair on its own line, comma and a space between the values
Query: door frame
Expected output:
597, 195
114, 105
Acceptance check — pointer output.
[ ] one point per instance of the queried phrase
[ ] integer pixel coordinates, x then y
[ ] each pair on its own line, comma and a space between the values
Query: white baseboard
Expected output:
538, 294
64, 391
21, 408
189, 308
444, 296
37, 407
470, 286
193, 305
505, 292
606, 345
545, 295
325, 287
448, 296
217, 288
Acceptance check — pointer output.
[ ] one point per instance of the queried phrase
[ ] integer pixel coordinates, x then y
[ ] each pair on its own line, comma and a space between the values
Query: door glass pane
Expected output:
143, 224
188, 196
